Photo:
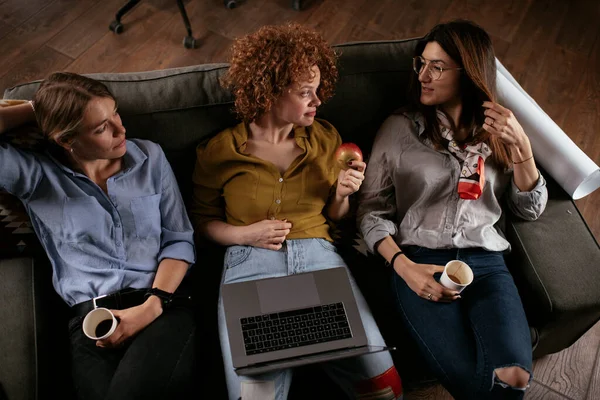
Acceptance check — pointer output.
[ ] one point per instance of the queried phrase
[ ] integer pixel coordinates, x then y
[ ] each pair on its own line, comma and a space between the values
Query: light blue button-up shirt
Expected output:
100, 242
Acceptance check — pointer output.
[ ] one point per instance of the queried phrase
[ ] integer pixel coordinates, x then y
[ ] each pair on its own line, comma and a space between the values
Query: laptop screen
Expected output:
295, 291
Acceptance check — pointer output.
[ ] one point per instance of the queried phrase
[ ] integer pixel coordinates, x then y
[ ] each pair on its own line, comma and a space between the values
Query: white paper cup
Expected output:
99, 323
457, 276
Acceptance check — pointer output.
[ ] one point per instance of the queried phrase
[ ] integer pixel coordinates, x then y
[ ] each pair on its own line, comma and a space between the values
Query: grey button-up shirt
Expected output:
410, 193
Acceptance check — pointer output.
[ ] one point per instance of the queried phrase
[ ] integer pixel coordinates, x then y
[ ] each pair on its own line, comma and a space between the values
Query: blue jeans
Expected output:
463, 342
244, 263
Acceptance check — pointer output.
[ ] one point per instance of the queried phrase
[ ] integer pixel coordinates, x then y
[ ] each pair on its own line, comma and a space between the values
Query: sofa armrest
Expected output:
34, 343
18, 375
555, 262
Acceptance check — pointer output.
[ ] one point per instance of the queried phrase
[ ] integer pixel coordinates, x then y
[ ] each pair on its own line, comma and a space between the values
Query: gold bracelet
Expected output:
522, 161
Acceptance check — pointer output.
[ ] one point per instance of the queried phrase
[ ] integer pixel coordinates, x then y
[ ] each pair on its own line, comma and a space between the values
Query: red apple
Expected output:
348, 152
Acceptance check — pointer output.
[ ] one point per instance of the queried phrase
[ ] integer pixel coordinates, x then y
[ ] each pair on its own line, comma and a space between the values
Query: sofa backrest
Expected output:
180, 107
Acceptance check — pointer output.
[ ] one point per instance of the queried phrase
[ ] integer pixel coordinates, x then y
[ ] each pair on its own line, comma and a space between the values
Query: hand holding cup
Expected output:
99, 323
457, 275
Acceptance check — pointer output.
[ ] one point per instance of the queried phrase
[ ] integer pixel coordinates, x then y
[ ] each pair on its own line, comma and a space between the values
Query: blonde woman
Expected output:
109, 214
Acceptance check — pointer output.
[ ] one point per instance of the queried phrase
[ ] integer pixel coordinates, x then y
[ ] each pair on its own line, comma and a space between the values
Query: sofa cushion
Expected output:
373, 83
554, 262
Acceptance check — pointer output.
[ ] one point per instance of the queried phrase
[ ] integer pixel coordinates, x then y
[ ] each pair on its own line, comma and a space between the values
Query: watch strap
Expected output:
165, 297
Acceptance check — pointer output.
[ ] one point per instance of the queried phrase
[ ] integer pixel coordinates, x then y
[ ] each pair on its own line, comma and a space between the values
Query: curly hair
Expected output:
263, 64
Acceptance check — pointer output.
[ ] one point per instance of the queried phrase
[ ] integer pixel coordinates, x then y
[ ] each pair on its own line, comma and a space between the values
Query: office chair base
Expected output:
116, 27
189, 42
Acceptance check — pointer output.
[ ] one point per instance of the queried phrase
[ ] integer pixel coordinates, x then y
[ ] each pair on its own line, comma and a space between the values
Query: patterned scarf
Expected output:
472, 175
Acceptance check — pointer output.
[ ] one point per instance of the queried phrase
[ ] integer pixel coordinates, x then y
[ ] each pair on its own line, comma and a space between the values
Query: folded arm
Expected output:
15, 115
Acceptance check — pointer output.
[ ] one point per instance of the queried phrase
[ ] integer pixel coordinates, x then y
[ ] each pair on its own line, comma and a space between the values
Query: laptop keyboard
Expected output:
288, 329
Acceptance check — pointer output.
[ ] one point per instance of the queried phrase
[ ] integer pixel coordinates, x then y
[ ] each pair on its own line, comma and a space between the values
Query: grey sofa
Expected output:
555, 260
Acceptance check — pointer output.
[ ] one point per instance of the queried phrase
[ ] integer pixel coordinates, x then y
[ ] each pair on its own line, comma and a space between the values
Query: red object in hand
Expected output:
348, 152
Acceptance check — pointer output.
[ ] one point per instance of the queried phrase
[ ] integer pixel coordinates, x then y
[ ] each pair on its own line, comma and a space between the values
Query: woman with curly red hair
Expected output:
266, 187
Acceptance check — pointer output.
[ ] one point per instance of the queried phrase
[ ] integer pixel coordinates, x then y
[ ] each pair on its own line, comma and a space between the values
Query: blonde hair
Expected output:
61, 102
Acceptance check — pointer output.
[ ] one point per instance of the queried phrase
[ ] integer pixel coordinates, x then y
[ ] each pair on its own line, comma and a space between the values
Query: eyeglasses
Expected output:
435, 70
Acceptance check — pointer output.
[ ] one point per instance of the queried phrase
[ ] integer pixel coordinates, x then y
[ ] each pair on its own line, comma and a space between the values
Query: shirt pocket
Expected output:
316, 186
146, 216
84, 219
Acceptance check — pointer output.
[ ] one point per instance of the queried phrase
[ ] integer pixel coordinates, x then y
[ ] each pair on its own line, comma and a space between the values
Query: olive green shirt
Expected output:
238, 188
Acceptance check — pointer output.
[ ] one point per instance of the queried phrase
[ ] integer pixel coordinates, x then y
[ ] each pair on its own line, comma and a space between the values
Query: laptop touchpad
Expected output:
295, 291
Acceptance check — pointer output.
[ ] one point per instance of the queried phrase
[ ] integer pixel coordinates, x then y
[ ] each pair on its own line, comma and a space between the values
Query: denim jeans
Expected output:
158, 363
464, 341
244, 263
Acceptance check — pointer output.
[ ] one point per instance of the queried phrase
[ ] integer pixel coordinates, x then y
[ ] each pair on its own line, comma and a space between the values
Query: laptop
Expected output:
294, 320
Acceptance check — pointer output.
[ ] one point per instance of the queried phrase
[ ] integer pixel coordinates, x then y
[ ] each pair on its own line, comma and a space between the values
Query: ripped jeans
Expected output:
244, 263
463, 342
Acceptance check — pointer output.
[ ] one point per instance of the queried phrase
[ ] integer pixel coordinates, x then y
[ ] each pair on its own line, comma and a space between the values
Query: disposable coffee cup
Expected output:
99, 323
457, 276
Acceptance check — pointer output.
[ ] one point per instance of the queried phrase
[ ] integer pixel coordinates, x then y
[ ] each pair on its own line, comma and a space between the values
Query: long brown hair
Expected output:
471, 48
60, 104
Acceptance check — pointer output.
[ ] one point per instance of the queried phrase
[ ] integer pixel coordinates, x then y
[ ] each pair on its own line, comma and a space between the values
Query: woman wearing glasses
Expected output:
432, 194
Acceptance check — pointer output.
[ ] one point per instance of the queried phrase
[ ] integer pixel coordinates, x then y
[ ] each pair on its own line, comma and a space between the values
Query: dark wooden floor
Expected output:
552, 47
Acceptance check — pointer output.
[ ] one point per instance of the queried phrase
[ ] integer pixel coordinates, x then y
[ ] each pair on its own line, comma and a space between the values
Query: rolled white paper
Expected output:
570, 167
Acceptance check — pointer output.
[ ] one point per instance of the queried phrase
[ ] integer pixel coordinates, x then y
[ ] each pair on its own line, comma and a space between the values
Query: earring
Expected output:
72, 150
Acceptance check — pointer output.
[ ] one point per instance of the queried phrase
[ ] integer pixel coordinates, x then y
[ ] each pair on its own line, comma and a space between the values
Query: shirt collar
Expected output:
418, 119
132, 158
240, 134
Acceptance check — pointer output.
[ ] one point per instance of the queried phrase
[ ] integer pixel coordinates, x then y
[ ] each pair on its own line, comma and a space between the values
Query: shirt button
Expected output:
448, 226
117, 226
278, 201
280, 179
118, 244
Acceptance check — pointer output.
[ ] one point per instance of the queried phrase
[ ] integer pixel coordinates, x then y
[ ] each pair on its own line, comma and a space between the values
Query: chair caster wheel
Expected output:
296, 5
189, 42
116, 27
230, 4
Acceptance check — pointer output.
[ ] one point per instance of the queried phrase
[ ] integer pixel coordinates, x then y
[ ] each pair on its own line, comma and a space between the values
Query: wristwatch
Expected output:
165, 297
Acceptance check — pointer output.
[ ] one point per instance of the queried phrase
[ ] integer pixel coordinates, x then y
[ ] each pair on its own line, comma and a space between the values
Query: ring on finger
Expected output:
428, 296
492, 123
